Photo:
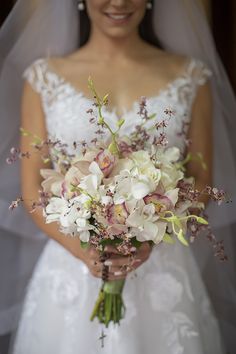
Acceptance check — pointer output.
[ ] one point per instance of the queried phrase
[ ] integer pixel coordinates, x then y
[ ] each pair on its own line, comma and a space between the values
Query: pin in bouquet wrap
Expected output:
122, 192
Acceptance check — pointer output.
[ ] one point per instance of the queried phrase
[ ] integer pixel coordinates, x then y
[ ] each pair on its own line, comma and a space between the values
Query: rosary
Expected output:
105, 270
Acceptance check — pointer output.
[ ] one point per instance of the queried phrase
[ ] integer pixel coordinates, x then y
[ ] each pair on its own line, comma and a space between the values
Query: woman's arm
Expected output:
200, 134
33, 121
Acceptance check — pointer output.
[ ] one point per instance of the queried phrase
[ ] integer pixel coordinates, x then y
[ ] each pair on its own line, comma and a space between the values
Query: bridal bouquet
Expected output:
121, 192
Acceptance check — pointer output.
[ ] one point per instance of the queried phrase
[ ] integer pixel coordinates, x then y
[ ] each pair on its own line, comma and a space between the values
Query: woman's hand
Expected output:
118, 266
92, 258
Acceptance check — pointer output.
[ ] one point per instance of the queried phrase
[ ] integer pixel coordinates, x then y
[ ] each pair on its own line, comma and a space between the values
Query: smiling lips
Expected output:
118, 17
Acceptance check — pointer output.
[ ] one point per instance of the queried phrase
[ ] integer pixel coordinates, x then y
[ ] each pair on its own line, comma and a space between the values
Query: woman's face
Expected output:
116, 18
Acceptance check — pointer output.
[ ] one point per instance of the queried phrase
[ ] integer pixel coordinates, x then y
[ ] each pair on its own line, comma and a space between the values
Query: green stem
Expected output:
115, 308
97, 305
114, 286
109, 306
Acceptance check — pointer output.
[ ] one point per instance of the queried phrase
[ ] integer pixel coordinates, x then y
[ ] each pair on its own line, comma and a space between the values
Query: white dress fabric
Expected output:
168, 309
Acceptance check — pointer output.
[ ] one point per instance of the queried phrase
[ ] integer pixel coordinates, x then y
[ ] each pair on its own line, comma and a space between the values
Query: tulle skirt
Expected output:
167, 308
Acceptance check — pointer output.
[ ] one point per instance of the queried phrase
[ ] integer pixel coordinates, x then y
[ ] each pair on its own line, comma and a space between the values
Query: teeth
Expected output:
118, 17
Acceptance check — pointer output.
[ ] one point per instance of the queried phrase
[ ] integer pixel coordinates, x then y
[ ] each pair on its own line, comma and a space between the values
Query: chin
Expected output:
118, 33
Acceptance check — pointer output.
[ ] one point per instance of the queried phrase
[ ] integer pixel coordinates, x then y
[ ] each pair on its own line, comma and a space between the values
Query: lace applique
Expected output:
45, 82
49, 84
184, 88
168, 288
64, 289
35, 75
199, 72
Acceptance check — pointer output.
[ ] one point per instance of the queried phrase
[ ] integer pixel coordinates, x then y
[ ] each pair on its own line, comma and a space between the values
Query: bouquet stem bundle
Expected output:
109, 306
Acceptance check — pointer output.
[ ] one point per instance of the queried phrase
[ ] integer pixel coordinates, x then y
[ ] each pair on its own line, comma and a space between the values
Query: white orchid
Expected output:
124, 164
55, 208
103, 197
73, 215
135, 185
91, 183
145, 224
83, 228
145, 166
130, 187
171, 176
52, 182
141, 158
76, 218
165, 159
75, 209
167, 156
173, 195
135, 176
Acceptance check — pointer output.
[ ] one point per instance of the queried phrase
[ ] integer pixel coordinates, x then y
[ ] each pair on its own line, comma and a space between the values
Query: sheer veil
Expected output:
39, 28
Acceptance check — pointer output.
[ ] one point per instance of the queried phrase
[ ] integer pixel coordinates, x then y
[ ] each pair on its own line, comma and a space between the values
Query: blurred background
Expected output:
222, 19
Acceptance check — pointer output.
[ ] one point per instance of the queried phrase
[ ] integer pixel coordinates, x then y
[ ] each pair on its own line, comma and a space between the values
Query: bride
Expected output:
168, 308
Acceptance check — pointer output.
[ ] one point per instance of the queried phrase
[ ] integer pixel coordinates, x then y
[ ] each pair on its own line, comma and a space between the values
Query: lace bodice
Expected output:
66, 108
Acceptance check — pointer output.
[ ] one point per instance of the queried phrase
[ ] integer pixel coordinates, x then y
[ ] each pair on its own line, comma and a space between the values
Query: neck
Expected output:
107, 48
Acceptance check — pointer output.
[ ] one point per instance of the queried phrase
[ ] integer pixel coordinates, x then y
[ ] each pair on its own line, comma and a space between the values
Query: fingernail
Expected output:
108, 263
118, 273
133, 249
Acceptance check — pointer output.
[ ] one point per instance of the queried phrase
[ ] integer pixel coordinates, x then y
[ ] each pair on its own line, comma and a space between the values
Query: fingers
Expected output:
117, 276
111, 249
121, 262
144, 251
117, 266
111, 275
95, 265
108, 273
144, 248
93, 253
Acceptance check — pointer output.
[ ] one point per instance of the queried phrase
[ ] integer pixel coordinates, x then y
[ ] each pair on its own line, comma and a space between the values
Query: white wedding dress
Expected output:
168, 309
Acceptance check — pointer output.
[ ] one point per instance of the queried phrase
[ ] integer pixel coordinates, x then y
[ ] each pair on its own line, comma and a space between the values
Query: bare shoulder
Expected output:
69, 64
170, 63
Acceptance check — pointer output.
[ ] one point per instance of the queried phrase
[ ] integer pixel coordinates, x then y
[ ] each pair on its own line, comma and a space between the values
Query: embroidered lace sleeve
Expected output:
35, 74
44, 81
199, 72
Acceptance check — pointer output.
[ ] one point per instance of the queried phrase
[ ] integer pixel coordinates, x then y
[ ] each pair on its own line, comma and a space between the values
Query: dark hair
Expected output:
146, 30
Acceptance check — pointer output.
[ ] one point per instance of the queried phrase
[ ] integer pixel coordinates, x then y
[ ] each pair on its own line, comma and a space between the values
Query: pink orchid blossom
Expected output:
52, 181
161, 202
105, 161
117, 214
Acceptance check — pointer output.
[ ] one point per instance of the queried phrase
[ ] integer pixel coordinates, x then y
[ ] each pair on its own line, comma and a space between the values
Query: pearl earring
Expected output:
81, 6
149, 5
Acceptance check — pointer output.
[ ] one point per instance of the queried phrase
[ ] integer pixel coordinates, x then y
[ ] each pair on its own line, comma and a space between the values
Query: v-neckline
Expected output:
164, 91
